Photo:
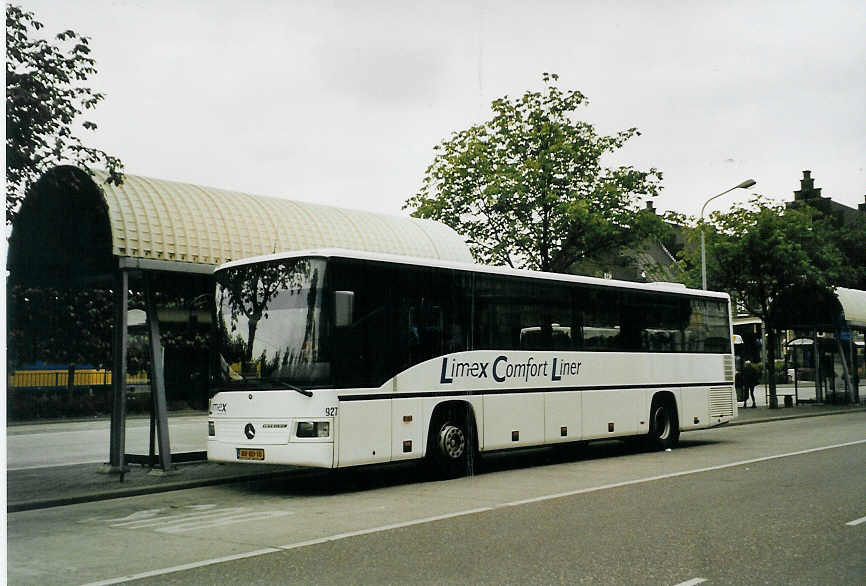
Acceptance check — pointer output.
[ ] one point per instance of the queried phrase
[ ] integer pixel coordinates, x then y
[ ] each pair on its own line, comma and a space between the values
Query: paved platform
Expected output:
50, 486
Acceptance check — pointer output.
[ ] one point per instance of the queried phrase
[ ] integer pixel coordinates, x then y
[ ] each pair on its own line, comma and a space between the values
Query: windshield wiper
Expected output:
266, 385
304, 392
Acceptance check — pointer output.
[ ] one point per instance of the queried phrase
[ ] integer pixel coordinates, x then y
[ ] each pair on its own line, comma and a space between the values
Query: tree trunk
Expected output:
252, 325
771, 365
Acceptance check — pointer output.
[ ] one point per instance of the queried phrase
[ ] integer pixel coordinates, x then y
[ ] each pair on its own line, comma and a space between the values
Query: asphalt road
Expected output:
771, 503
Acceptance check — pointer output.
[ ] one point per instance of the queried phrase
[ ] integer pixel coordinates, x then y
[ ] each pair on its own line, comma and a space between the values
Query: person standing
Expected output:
750, 380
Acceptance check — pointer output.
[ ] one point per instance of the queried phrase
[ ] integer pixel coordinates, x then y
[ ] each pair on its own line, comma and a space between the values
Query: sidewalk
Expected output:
62, 485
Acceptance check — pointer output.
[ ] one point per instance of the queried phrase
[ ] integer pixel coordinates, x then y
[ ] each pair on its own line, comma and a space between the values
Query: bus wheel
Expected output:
452, 448
664, 430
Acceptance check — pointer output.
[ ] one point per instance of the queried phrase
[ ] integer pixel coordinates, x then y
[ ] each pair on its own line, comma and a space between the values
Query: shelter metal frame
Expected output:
76, 230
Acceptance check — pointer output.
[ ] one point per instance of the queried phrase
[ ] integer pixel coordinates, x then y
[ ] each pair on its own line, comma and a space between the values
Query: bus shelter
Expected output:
163, 238
826, 345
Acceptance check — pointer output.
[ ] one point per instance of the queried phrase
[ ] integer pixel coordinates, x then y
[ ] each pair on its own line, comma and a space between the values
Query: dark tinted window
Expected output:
432, 313
708, 327
514, 314
403, 315
600, 318
631, 320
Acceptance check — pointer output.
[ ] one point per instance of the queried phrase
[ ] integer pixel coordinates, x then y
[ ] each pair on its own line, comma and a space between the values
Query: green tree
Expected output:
45, 96
59, 326
850, 238
759, 250
528, 187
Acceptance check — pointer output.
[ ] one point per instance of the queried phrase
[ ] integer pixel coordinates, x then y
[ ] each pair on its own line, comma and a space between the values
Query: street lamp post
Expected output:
744, 185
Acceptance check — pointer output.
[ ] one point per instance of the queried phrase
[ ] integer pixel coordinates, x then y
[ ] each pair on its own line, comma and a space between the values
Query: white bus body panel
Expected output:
407, 425
365, 432
520, 413
563, 411
611, 413
509, 391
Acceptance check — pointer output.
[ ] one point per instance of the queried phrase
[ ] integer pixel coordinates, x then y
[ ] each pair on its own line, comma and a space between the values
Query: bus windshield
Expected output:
270, 324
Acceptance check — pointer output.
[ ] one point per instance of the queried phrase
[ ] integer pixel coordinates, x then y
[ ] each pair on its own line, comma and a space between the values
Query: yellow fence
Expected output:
60, 378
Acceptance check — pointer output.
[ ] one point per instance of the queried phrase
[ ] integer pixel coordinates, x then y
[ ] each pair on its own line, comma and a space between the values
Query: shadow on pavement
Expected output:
53, 486
310, 482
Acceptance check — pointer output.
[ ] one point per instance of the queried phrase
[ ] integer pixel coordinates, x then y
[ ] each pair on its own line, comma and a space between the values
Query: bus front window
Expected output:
270, 318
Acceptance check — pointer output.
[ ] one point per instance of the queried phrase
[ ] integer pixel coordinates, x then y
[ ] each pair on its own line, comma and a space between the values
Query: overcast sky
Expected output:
342, 102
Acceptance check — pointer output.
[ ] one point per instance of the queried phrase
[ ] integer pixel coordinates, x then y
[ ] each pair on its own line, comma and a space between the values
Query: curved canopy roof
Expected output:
162, 220
820, 308
154, 218
853, 302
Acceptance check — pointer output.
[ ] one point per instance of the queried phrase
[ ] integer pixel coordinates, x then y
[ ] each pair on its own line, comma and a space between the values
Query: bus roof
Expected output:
676, 288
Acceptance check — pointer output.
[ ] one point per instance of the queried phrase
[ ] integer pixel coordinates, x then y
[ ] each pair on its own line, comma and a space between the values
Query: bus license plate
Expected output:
251, 454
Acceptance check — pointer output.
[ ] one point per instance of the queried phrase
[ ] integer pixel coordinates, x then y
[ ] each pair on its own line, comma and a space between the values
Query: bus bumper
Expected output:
318, 455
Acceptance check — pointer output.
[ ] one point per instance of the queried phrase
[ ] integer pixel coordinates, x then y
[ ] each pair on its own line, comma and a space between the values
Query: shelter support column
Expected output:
117, 441
819, 387
157, 378
855, 366
849, 383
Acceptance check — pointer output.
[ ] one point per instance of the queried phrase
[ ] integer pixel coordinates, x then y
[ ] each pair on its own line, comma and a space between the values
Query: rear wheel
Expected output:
664, 430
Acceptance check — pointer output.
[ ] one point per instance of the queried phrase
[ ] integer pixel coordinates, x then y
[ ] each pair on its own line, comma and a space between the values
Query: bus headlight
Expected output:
313, 429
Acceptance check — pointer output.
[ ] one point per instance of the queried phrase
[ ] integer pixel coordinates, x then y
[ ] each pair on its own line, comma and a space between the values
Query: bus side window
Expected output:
600, 310
433, 314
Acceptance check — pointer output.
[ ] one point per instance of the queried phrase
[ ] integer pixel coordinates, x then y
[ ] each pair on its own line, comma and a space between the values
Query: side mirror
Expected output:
344, 308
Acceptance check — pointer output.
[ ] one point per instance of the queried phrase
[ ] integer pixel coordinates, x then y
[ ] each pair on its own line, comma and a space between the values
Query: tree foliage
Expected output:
851, 240
759, 250
528, 188
45, 97
59, 326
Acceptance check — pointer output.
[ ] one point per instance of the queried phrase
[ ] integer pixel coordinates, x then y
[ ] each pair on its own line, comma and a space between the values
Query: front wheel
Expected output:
664, 430
452, 450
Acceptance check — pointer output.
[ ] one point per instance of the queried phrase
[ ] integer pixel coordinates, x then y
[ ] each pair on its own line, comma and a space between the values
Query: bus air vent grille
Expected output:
729, 368
721, 402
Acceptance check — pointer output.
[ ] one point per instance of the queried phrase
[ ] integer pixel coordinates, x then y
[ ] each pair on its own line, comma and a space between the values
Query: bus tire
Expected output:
664, 432
451, 450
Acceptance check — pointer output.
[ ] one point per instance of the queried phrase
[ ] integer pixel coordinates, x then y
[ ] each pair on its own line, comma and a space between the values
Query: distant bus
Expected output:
339, 358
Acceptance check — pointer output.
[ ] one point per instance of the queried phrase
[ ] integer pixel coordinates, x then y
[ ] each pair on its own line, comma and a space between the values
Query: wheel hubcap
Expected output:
452, 442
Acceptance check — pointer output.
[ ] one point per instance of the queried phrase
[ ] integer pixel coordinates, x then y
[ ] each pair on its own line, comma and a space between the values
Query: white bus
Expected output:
338, 358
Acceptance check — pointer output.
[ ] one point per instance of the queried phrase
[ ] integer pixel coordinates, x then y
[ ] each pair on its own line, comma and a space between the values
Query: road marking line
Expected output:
208, 523
182, 567
201, 507
384, 528
692, 582
136, 516
381, 528
548, 497
856, 522
176, 519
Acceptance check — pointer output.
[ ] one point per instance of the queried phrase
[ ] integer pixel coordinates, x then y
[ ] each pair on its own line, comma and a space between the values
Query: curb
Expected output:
297, 473
795, 416
167, 487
